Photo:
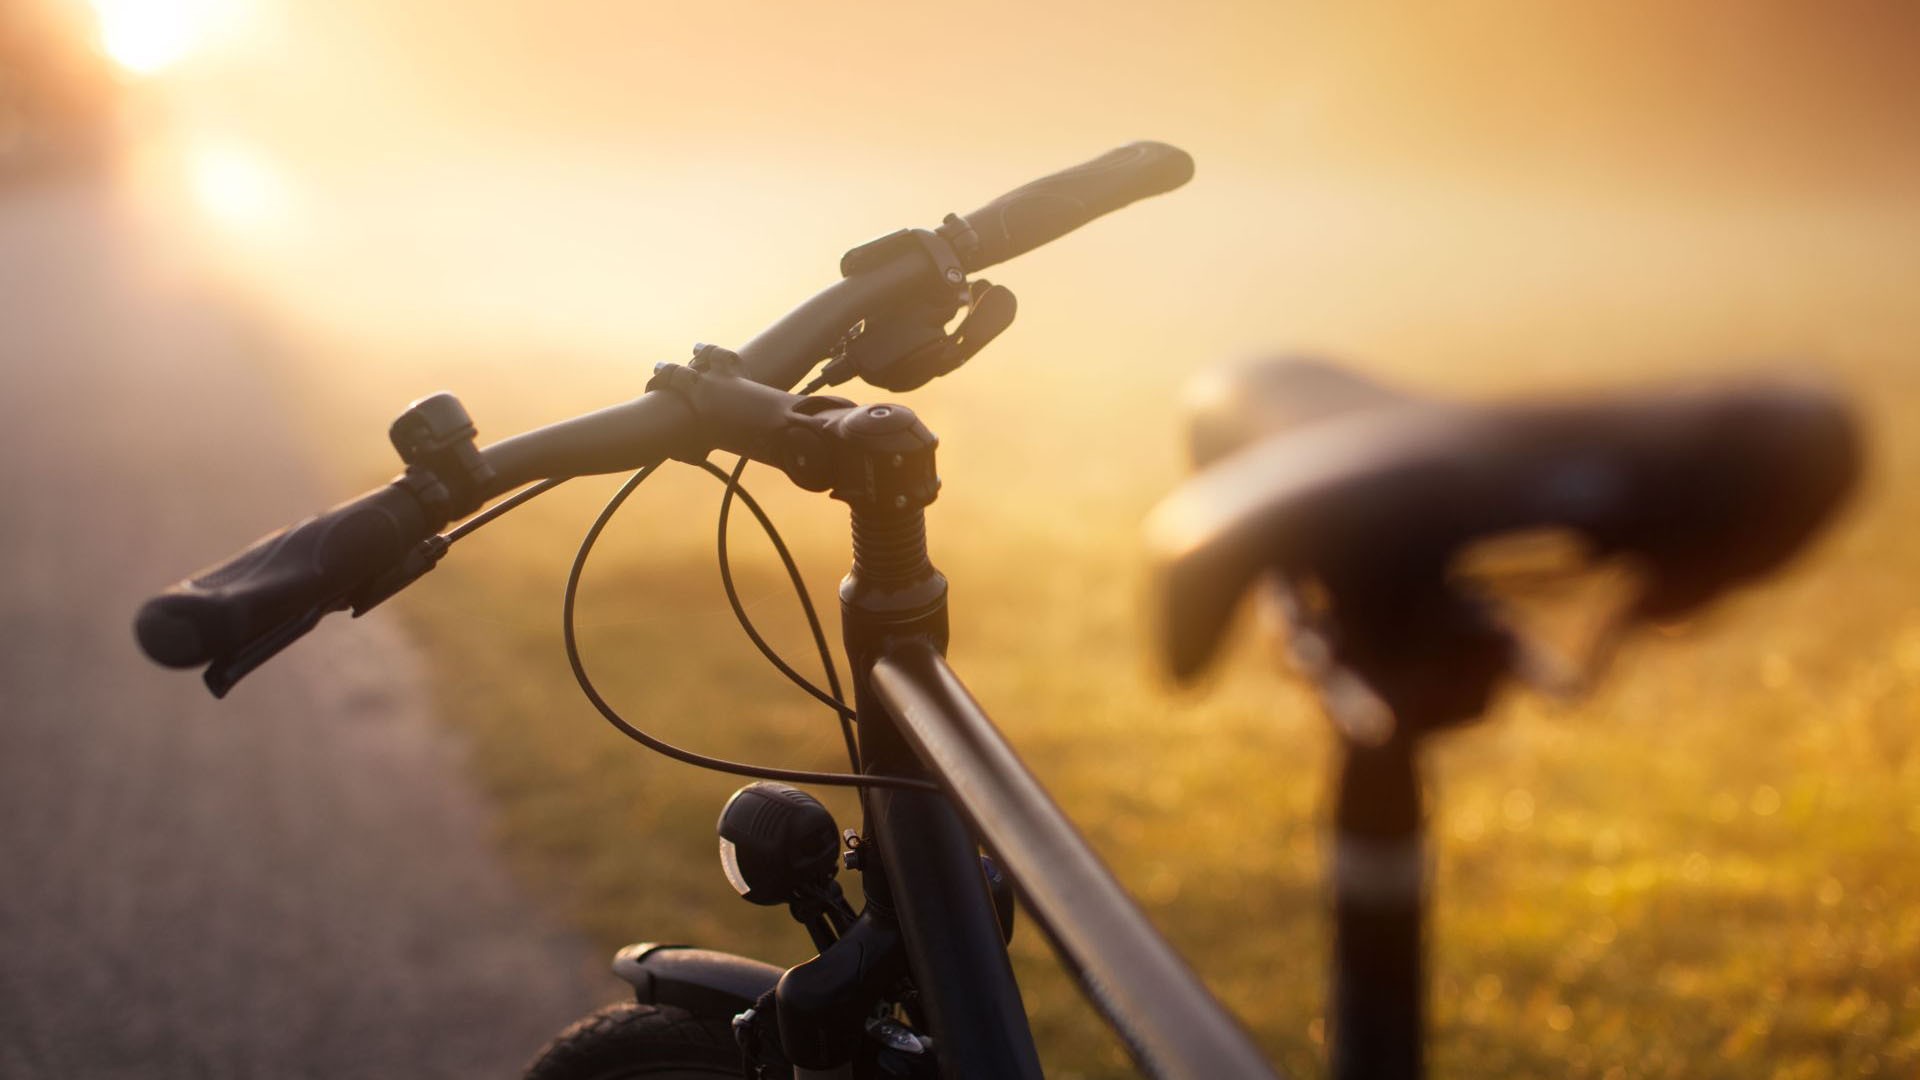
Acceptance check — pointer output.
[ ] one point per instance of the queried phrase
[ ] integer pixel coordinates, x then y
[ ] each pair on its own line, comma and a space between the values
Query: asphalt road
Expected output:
297, 881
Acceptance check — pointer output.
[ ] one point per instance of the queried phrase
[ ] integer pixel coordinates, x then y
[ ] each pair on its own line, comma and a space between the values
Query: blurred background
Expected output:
239, 236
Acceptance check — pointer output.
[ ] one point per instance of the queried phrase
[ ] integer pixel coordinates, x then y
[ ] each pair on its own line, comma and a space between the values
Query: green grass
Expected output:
1707, 870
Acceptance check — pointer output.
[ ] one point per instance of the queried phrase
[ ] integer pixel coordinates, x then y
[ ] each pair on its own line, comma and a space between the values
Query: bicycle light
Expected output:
777, 843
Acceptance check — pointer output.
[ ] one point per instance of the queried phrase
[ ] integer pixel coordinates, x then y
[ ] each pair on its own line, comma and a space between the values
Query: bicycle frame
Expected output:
916, 718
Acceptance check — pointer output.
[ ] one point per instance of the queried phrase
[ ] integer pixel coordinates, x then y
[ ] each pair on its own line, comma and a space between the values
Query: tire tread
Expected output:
630, 1039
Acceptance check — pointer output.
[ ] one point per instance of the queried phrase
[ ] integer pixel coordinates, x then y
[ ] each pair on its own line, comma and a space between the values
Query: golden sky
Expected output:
593, 168
1755, 91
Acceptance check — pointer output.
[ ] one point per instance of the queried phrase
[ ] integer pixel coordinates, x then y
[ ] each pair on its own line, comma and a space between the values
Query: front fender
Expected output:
702, 981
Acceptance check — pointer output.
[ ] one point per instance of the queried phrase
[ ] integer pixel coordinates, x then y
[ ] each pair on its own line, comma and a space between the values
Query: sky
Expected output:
575, 171
1822, 94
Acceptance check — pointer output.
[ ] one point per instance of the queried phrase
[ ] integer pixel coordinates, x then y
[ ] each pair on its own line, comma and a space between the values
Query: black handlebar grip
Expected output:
1053, 206
315, 564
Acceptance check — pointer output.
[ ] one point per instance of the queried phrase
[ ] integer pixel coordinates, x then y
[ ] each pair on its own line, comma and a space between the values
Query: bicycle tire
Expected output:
630, 1041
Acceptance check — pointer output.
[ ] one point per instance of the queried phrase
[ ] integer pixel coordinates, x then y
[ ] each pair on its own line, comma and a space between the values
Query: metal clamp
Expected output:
868, 456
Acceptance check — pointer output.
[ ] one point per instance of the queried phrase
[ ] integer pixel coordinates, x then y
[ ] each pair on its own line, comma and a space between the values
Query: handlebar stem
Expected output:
874, 458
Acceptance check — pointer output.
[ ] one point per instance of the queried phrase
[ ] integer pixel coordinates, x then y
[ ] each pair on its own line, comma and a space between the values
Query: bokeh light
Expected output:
146, 36
237, 187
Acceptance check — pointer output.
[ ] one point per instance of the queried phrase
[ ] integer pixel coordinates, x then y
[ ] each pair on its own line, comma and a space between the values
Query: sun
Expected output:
145, 36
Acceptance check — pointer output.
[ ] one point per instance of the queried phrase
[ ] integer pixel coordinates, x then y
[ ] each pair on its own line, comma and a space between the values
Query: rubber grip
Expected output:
315, 564
1053, 206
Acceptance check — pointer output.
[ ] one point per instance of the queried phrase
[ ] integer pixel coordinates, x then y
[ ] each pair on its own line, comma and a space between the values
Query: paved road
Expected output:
294, 882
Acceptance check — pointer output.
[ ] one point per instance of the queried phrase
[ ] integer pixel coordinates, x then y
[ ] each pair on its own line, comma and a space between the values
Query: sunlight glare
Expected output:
145, 36
236, 187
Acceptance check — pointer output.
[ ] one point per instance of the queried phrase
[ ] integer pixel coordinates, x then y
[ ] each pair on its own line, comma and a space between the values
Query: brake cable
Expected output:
501, 507
833, 697
661, 746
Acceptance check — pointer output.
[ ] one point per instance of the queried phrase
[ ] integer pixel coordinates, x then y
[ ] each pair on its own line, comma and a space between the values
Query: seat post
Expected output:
1379, 897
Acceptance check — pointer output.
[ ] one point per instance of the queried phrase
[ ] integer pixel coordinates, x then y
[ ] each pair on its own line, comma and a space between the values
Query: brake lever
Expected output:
907, 348
990, 310
444, 471
225, 671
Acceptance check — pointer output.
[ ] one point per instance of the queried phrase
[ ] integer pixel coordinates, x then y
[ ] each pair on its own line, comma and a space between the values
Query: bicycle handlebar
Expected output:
1052, 206
655, 426
237, 614
279, 587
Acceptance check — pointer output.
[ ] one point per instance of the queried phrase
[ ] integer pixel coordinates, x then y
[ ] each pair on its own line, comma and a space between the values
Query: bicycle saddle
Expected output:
1363, 496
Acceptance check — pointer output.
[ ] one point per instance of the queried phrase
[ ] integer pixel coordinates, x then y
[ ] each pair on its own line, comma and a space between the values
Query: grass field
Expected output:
1707, 870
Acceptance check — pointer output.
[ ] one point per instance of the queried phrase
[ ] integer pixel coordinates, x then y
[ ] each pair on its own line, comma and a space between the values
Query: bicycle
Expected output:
917, 982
